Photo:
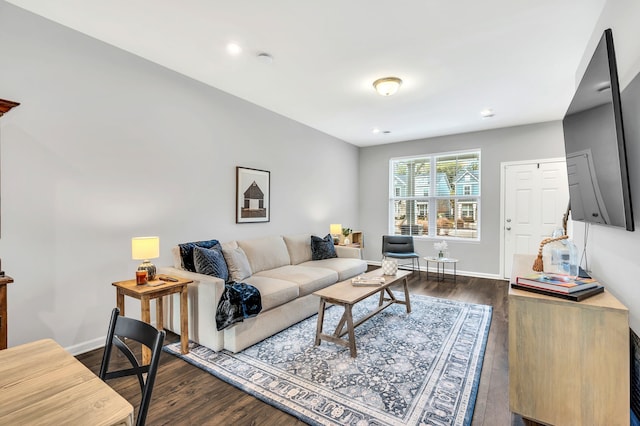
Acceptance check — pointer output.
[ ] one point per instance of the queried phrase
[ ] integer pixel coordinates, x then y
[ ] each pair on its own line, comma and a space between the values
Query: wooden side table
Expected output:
156, 289
4, 280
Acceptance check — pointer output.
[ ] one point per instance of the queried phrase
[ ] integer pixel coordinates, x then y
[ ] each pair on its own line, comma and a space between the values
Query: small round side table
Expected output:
441, 261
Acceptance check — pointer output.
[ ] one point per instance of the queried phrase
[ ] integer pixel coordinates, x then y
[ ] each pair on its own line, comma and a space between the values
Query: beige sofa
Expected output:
281, 268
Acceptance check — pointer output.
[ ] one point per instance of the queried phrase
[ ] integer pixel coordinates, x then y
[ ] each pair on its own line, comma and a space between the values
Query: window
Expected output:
436, 195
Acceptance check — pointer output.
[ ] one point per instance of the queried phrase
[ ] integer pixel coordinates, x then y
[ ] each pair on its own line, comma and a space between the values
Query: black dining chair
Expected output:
121, 328
400, 247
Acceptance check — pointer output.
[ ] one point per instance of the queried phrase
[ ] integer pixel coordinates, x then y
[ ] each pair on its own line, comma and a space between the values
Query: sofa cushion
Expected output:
237, 263
299, 247
307, 278
186, 252
265, 253
274, 292
345, 267
211, 262
322, 248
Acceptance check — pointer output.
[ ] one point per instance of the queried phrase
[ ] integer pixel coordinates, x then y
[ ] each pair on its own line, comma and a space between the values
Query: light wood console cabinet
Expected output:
568, 361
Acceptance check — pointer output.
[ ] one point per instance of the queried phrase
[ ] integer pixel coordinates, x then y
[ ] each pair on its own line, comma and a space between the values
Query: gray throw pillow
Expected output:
211, 262
322, 248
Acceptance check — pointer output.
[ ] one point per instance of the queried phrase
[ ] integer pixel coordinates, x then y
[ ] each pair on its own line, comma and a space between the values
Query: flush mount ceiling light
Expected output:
387, 86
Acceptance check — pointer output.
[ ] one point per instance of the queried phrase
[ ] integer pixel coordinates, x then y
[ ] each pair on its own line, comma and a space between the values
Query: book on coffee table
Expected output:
367, 282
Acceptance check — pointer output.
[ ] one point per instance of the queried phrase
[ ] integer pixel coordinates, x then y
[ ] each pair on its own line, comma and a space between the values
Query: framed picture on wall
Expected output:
252, 195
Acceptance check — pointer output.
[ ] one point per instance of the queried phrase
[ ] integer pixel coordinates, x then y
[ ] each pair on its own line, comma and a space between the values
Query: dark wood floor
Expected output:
186, 395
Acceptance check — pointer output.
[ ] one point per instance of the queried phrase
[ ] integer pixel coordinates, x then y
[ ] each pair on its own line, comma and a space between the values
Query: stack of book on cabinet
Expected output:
558, 285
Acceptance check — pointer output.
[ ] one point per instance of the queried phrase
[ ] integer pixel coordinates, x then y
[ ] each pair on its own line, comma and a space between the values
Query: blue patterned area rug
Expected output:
421, 368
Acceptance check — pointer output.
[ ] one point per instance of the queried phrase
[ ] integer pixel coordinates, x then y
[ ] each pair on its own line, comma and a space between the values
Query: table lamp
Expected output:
335, 229
145, 248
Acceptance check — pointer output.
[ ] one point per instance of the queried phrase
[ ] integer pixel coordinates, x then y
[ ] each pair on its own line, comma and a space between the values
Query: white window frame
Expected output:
433, 199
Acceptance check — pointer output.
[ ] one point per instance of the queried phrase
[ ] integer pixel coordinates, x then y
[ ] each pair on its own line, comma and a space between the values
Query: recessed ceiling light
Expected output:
375, 131
234, 49
265, 58
487, 113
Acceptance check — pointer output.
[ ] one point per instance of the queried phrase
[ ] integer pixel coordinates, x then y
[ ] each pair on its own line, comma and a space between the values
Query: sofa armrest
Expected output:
343, 251
203, 297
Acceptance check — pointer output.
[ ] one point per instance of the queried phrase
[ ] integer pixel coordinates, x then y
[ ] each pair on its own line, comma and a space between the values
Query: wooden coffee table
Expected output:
347, 295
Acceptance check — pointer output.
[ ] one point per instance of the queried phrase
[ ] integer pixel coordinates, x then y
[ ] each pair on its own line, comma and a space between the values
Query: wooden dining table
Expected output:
42, 384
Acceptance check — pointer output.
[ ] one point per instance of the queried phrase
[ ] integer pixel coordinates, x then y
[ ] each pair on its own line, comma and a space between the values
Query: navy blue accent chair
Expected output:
400, 247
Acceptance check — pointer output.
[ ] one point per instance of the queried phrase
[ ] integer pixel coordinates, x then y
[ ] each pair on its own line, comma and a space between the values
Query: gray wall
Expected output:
537, 141
106, 146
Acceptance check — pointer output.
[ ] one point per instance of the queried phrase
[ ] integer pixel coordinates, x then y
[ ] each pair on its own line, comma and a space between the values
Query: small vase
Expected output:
440, 254
347, 241
389, 267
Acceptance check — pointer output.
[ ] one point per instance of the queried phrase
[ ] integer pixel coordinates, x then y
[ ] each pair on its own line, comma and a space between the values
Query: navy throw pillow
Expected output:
186, 252
322, 248
211, 262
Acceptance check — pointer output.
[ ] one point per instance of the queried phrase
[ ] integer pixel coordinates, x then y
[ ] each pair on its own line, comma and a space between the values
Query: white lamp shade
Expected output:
335, 229
144, 248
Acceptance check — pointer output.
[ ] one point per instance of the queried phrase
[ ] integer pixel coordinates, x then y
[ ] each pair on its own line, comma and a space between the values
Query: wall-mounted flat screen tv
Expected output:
595, 144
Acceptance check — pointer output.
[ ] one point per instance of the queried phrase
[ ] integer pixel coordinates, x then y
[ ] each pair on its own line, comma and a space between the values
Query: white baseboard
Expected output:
87, 346
90, 345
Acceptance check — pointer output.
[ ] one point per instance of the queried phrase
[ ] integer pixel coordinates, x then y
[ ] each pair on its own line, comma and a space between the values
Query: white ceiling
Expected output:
517, 57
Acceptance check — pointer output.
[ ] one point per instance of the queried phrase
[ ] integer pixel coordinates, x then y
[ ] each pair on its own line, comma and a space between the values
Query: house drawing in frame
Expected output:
252, 195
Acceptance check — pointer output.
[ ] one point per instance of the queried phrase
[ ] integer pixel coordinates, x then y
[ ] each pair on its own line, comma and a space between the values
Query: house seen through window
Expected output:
436, 195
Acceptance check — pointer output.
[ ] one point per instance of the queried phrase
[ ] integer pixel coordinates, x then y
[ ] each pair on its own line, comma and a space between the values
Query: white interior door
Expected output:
535, 199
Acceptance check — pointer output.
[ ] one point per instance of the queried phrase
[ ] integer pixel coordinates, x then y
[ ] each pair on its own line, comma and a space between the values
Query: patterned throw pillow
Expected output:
322, 248
186, 252
211, 262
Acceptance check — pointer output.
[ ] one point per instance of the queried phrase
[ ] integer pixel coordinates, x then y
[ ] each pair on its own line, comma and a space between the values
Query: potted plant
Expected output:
346, 232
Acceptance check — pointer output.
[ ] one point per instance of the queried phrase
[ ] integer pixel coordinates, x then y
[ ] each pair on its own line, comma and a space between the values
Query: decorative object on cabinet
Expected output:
252, 195
538, 265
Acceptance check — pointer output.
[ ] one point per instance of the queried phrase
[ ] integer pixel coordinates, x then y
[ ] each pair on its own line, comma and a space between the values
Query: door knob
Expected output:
508, 220
508, 228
